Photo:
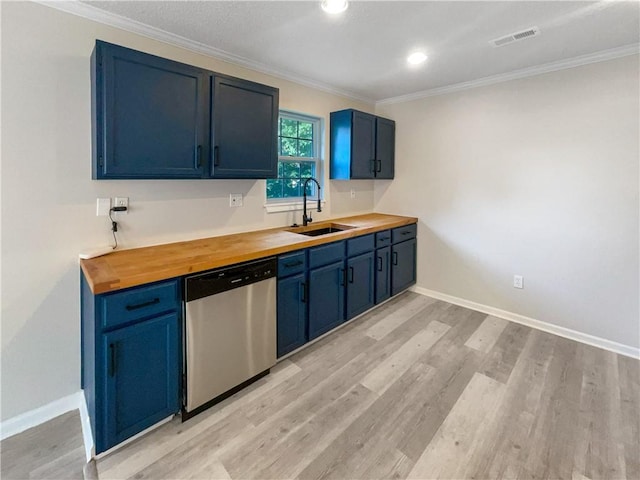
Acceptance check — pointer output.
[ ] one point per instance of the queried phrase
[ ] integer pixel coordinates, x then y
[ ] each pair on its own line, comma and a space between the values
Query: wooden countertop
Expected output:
137, 266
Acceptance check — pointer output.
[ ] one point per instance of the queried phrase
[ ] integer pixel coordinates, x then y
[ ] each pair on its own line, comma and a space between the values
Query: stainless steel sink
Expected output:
320, 229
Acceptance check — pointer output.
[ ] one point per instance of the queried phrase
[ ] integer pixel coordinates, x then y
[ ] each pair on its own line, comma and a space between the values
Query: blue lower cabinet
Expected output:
131, 359
321, 287
360, 284
383, 274
141, 381
403, 265
292, 313
326, 298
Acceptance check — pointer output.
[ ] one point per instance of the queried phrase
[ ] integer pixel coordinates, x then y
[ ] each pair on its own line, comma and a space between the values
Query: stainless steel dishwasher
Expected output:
230, 331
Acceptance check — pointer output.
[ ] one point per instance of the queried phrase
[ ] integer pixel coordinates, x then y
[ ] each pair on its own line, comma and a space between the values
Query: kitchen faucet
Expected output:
306, 219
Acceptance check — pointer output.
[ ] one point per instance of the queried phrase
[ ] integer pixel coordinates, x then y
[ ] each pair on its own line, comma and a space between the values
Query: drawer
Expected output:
401, 234
383, 239
140, 302
325, 254
292, 263
358, 245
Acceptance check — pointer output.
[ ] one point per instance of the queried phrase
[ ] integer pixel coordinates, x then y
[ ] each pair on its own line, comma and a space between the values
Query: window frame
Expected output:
295, 203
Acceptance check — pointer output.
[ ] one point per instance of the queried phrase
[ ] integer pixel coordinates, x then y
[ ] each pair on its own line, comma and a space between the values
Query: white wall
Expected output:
537, 177
48, 197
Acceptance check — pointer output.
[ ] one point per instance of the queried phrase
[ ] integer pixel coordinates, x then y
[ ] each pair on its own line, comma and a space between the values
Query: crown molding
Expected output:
84, 10
602, 56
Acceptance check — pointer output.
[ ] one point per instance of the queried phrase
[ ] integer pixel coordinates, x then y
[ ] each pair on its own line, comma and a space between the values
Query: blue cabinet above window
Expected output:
153, 118
362, 146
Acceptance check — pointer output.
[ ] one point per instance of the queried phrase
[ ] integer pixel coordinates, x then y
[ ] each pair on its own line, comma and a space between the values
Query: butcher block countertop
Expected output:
137, 266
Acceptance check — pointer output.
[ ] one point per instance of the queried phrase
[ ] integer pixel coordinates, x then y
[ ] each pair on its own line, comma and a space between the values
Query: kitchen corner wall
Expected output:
48, 197
536, 177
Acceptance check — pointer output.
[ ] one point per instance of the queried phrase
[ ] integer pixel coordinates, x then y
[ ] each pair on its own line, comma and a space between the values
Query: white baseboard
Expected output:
33, 418
40, 415
594, 341
86, 427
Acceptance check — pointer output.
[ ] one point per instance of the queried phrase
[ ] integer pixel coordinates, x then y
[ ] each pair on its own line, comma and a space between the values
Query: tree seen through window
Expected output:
297, 153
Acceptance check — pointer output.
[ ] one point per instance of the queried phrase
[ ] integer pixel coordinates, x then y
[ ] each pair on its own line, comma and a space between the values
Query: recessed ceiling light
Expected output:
416, 58
334, 6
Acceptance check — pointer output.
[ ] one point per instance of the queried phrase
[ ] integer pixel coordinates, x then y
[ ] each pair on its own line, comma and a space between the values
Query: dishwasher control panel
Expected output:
227, 278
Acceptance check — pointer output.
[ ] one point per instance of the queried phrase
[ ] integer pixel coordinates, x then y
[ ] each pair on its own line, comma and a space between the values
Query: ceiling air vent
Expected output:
514, 37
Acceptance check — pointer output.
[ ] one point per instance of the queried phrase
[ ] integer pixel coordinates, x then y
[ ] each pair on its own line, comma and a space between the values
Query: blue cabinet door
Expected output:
385, 148
150, 114
140, 377
245, 129
292, 313
403, 268
383, 274
360, 282
363, 147
326, 298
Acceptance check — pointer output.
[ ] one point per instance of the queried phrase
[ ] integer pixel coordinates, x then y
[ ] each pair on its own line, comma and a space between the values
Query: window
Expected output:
299, 140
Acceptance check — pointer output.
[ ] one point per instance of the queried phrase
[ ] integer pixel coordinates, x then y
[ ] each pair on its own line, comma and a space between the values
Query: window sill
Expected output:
278, 207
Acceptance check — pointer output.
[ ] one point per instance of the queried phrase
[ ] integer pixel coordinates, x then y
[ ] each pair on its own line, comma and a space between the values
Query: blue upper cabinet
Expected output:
150, 115
362, 146
245, 129
156, 118
385, 148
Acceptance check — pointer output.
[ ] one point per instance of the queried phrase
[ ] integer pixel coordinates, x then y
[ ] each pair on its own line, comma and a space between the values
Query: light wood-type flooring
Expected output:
53, 450
416, 389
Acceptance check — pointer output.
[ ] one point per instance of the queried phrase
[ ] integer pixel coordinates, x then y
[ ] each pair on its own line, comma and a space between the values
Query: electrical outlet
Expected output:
121, 202
518, 281
235, 199
353, 193
103, 205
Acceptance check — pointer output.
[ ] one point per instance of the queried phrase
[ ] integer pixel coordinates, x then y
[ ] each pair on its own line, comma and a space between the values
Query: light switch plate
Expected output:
103, 205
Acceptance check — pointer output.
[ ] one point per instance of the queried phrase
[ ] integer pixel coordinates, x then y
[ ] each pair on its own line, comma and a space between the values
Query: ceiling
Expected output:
362, 52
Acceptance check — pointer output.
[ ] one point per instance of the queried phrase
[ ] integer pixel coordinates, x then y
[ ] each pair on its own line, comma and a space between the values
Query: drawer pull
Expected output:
142, 305
406, 233
293, 264
382, 239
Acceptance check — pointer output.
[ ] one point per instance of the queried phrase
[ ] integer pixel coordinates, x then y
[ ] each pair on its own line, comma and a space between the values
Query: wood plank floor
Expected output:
53, 450
418, 389
415, 389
